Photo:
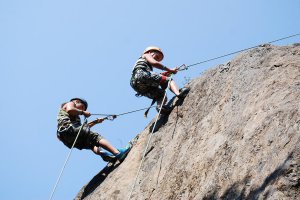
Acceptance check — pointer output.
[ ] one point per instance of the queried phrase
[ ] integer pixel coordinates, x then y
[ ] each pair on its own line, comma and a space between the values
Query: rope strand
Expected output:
198, 63
66, 161
125, 113
188, 66
145, 151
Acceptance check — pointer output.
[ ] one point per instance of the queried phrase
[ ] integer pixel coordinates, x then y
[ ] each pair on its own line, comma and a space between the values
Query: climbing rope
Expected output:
66, 161
186, 67
112, 116
183, 67
125, 113
145, 151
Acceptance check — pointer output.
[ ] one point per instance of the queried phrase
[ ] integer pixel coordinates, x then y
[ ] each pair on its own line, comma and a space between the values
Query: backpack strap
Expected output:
153, 102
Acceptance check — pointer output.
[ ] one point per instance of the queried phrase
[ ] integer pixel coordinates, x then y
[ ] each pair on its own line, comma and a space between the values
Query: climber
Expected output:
69, 124
153, 85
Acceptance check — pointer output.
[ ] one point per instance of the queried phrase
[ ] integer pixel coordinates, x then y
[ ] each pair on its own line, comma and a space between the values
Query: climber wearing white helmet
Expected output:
153, 85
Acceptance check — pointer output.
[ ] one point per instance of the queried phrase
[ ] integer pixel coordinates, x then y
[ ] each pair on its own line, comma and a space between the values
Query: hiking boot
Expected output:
183, 93
107, 156
123, 152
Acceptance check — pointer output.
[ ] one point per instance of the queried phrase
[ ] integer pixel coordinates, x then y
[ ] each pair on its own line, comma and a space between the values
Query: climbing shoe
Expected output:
183, 93
107, 156
123, 152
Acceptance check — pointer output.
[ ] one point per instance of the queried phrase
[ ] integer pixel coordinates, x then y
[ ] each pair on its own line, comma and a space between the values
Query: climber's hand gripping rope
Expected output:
175, 70
100, 120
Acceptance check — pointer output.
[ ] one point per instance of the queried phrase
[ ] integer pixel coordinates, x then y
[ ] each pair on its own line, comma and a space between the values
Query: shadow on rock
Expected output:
98, 179
234, 192
163, 118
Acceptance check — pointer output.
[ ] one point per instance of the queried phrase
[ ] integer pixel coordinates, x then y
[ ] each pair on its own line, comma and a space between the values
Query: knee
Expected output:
164, 81
96, 150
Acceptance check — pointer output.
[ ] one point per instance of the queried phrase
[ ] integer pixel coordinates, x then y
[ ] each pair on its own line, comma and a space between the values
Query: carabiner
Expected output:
182, 67
111, 117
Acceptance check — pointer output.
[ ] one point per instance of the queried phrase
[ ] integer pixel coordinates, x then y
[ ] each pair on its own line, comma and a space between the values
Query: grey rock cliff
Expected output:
236, 136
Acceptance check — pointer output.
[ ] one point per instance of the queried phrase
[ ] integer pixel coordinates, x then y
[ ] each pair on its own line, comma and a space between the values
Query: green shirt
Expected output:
64, 121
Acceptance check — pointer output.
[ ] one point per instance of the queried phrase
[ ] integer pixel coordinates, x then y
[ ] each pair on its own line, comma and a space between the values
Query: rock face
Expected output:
235, 136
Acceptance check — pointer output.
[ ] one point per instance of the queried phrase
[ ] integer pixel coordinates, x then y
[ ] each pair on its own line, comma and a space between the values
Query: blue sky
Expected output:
51, 51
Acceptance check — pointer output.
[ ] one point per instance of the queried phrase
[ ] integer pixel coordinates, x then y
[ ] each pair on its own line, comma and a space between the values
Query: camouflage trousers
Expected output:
86, 139
148, 84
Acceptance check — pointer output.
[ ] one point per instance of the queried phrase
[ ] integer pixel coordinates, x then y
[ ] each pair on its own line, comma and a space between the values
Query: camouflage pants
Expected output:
86, 139
148, 84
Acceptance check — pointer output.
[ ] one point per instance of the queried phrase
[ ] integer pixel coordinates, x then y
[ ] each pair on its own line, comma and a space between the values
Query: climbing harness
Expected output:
67, 159
145, 151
